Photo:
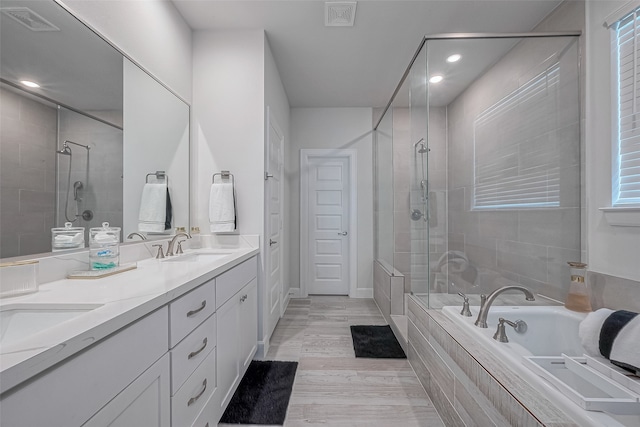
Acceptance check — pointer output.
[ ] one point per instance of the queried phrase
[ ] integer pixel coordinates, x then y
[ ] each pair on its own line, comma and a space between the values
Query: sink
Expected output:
206, 257
19, 321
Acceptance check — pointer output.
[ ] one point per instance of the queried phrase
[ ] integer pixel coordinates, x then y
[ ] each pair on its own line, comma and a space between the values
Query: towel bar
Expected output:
160, 175
223, 175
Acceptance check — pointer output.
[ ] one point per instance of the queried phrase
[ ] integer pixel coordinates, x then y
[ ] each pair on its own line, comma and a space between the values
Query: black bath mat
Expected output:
376, 342
263, 394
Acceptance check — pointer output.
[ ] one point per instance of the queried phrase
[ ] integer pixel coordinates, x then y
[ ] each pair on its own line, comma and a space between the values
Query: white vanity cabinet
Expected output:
70, 393
177, 366
143, 403
236, 295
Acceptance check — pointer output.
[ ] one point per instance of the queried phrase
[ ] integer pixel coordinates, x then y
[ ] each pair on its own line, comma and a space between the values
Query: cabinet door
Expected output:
228, 348
248, 323
145, 403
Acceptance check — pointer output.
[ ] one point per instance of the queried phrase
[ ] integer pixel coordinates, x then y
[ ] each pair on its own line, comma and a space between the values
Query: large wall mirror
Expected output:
80, 147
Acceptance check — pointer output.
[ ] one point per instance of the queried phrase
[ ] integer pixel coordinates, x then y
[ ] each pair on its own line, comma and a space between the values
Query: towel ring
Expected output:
223, 175
160, 175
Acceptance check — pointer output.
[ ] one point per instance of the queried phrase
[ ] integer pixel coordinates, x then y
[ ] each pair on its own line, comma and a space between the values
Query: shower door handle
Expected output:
344, 233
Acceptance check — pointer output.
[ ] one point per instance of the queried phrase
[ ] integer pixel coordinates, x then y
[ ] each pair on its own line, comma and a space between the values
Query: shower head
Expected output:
423, 148
66, 150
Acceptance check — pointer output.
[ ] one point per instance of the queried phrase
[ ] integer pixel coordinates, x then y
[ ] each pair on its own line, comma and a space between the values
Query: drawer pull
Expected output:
195, 398
197, 310
197, 352
243, 298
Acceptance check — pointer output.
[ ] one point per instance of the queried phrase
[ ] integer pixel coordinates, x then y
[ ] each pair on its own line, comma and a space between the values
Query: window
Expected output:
516, 151
626, 158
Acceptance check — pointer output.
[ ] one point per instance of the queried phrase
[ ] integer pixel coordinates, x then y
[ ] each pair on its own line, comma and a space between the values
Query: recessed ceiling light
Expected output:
29, 83
454, 58
436, 79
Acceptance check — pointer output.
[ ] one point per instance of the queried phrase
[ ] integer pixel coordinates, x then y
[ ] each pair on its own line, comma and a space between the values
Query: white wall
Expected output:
276, 99
153, 33
334, 128
610, 250
228, 122
234, 79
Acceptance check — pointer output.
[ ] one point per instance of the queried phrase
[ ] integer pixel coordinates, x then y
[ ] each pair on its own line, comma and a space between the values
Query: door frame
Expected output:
273, 122
351, 156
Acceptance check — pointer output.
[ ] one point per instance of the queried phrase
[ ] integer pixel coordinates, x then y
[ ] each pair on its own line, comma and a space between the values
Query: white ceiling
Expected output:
359, 66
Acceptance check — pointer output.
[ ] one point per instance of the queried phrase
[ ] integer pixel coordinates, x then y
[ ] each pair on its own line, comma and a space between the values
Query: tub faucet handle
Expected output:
465, 305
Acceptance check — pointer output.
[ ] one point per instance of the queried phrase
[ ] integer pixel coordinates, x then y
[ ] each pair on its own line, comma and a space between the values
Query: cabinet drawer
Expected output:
188, 402
230, 282
191, 309
191, 351
210, 414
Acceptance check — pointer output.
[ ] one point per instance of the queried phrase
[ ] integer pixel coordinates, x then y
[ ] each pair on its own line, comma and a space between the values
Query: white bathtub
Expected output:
551, 331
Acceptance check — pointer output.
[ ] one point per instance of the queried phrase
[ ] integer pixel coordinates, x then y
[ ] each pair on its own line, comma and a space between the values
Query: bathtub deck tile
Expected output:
468, 354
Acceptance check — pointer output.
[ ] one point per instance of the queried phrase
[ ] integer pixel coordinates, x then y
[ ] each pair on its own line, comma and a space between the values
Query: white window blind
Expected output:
516, 154
626, 170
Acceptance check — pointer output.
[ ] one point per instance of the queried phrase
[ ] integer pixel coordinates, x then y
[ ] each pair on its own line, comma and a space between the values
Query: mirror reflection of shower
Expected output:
78, 186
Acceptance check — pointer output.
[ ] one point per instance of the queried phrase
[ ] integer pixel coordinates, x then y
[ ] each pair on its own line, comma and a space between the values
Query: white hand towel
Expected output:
153, 208
589, 330
222, 210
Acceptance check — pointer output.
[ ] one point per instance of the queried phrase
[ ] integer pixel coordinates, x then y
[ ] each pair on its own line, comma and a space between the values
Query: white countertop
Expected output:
124, 298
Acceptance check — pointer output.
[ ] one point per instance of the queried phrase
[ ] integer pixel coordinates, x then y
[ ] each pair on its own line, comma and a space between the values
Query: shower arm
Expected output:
416, 144
66, 142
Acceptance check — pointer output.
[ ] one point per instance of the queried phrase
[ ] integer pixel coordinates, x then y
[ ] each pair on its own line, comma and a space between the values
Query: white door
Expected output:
328, 221
275, 161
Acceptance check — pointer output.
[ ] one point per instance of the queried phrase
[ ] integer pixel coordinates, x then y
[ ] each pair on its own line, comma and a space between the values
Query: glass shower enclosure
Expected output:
477, 171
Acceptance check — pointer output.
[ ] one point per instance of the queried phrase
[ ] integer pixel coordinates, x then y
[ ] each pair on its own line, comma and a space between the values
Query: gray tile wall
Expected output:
524, 246
100, 171
27, 174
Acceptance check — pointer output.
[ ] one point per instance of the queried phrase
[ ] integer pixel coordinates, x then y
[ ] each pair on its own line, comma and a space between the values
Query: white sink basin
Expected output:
19, 321
206, 257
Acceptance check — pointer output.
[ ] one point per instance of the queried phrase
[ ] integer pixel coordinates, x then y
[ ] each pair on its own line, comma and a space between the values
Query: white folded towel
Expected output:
589, 330
153, 208
222, 209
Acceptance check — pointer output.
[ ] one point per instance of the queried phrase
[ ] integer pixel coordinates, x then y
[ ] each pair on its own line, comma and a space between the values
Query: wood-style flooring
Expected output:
334, 388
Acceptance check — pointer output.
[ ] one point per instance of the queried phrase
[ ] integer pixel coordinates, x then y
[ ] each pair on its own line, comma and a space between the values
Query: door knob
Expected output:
272, 242
344, 233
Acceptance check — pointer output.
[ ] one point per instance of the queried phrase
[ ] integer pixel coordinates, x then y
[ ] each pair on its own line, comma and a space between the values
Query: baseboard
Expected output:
293, 293
363, 293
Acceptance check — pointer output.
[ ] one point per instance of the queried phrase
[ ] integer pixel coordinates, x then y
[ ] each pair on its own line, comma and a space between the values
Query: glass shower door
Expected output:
419, 184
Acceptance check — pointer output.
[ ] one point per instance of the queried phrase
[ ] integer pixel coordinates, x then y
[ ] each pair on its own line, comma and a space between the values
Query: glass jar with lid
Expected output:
67, 237
104, 247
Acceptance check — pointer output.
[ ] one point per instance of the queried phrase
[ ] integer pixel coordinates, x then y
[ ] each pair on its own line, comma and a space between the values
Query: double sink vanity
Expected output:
164, 344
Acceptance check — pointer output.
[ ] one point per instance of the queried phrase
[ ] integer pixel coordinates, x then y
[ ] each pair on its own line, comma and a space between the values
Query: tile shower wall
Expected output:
527, 246
410, 238
27, 174
99, 170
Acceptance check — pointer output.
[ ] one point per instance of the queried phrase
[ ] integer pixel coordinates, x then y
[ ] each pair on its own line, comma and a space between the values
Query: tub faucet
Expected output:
173, 242
481, 321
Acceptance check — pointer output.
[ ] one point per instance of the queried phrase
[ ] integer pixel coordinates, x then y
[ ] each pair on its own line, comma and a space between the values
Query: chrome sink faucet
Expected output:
486, 301
173, 242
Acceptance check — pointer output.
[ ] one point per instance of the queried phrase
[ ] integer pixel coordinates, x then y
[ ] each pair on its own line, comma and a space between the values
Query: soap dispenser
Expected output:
578, 298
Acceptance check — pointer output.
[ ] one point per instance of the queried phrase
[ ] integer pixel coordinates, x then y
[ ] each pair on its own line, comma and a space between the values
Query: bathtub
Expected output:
551, 331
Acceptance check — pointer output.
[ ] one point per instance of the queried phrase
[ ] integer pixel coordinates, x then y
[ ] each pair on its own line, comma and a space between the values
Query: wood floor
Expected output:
334, 388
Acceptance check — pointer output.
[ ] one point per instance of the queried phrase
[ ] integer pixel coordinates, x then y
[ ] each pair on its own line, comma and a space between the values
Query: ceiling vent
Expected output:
339, 14
29, 19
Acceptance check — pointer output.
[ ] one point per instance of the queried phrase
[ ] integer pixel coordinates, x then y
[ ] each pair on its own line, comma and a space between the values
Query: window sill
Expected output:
622, 216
